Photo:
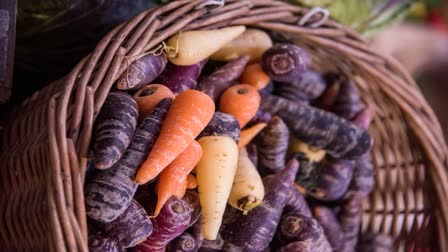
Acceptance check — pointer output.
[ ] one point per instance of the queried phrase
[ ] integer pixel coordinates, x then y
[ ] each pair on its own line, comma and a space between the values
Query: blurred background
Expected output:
53, 35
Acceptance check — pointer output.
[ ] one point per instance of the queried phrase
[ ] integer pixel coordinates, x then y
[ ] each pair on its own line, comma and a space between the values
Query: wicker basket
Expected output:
44, 149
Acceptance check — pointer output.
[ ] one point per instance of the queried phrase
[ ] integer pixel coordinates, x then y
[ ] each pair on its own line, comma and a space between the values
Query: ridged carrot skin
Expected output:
242, 101
189, 114
173, 179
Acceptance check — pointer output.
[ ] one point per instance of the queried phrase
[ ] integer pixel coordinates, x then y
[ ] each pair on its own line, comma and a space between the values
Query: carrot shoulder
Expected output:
174, 176
242, 101
187, 117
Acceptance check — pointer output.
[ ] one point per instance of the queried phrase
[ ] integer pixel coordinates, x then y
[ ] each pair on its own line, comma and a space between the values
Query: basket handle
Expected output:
213, 3
325, 15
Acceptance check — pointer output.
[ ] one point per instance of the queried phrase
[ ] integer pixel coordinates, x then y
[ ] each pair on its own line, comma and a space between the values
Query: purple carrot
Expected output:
328, 98
348, 103
308, 86
300, 233
260, 117
272, 145
222, 124
191, 197
350, 219
130, 228
180, 78
375, 242
114, 128
339, 137
99, 243
173, 220
254, 231
332, 180
142, 71
332, 229
184, 243
212, 246
109, 192
285, 62
297, 203
252, 152
215, 83
196, 230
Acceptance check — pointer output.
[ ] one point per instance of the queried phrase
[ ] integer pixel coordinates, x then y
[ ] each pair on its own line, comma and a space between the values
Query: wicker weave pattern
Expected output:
44, 148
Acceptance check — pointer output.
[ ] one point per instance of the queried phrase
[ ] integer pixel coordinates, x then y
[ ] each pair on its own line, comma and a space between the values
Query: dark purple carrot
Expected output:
222, 124
99, 243
212, 246
252, 153
298, 231
307, 87
114, 128
350, 219
348, 103
328, 98
363, 175
332, 180
184, 243
255, 231
260, 117
332, 229
272, 145
297, 203
372, 242
109, 192
130, 228
324, 130
191, 197
180, 78
142, 71
285, 62
196, 230
173, 220
215, 83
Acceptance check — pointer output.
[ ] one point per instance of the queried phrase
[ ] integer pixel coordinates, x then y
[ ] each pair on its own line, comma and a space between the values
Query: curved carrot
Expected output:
242, 101
191, 181
174, 177
248, 134
255, 76
187, 117
149, 96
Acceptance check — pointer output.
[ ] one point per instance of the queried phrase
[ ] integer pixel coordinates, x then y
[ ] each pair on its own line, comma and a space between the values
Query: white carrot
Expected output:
190, 47
247, 189
214, 175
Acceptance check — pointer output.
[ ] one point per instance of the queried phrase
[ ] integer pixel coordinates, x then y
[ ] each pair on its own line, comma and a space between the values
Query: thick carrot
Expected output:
174, 177
187, 117
255, 76
248, 134
149, 96
191, 182
242, 101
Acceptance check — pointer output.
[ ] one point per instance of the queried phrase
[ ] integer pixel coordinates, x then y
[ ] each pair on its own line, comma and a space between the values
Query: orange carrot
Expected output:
255, 76
186, 118
174, 177
191, 181
242, 101
179, 192
149, 96
248, 134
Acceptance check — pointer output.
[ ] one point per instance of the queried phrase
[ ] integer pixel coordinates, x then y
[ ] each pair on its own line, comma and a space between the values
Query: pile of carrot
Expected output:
221, 132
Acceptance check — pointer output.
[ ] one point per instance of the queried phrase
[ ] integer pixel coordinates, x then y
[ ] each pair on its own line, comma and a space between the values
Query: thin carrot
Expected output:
242, 101
187, 117
255, 76
191, 181
149, 96
248, 134
173, 179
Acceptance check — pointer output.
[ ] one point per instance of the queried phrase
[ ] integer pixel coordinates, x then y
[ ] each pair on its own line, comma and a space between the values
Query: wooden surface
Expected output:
7, 45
